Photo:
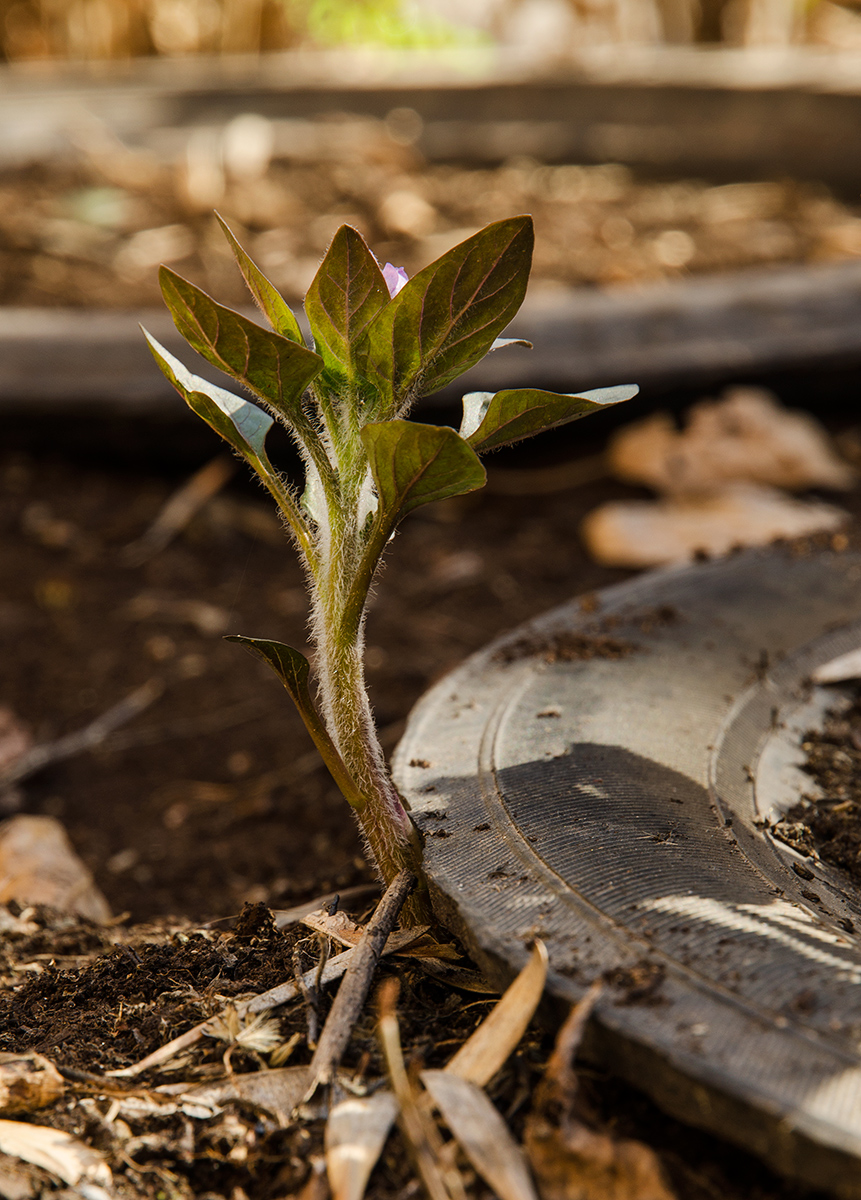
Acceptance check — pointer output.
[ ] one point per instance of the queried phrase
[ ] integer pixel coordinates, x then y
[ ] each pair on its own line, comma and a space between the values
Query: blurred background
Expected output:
106, 29
692, 169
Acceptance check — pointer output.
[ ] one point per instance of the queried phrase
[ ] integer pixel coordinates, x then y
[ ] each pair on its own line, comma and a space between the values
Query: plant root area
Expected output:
209, 808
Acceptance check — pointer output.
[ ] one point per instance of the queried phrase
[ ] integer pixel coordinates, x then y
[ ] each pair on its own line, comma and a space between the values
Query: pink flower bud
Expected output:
395, 278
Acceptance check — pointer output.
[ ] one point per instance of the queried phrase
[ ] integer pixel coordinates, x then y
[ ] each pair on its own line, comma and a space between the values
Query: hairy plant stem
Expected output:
338, 626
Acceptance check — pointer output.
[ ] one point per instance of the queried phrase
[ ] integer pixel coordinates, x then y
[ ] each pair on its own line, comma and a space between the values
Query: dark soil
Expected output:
203, 801
832, 821
213, 798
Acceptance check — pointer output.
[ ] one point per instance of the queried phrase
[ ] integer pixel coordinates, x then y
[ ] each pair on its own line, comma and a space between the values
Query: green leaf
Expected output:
239, 422
415, 464
271, 302
293, 669
277, 369
345, 295
496, 420
448, 316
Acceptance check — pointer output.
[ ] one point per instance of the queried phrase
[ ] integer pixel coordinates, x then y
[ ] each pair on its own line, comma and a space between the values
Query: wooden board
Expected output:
722, 113
721, 327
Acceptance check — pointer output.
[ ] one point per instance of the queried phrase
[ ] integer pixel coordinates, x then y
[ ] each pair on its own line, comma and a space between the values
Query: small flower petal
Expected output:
395, 278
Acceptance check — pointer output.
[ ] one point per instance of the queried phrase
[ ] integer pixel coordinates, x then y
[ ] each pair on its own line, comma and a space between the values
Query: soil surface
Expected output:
92, 233
212, 798
214, 795
831, 822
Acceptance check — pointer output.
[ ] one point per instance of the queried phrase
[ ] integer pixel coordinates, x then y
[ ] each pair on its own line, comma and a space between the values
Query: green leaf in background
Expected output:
415, 464
345, 295
496, 420
271, 302
239, 422
293, 669
274, 367
448, 316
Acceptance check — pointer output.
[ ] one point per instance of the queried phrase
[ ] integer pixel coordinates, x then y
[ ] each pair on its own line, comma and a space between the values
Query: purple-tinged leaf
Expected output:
293, 669
490, 421
275, 368
449, 315
345, 295
242, 424
270, 301
415, 464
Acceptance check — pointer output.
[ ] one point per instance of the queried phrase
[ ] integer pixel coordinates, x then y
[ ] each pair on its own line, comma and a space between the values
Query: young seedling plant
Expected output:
378, 342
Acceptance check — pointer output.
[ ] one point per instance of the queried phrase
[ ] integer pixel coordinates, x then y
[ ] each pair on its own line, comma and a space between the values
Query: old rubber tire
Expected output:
603, 778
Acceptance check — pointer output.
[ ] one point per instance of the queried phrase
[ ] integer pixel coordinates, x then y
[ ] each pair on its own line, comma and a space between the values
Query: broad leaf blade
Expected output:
345, 295
268, 298
242, 424
293, 669
449, 315
415, 464
490, 420
274, 367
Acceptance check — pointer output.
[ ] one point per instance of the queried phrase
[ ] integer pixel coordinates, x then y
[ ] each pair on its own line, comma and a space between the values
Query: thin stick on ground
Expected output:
179, 510
353, 991
283, 993
91, 735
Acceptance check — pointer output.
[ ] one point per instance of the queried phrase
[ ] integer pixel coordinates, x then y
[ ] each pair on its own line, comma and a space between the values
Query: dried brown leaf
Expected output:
356, 1132
341, 928
571, 1161
38, 865
28, 1082
481, 1056
278, 1090
482, 1133
575, 1163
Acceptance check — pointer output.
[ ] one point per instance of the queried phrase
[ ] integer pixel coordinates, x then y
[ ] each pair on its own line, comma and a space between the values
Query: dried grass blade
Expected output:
482, 1133
481, 1056
420, 1132
356, 1132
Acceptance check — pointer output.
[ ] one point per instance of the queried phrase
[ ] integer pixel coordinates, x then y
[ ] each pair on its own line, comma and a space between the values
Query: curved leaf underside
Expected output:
277, 369
490, 421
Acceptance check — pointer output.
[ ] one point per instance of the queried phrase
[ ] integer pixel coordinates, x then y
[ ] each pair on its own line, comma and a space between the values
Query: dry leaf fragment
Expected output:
646, 533
744, 437
576, 1163
54, 1151
38, 865
356, 1132
343, 929
481, 1056
571, 1161
278, 1090
838, 670
28, 1082
422, 1137
482, 1133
